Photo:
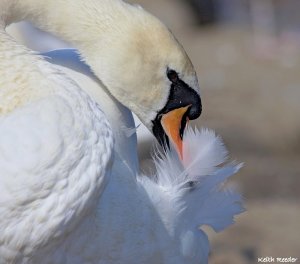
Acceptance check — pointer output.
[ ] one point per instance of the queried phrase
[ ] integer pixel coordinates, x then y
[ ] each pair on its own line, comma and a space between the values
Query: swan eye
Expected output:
172, 76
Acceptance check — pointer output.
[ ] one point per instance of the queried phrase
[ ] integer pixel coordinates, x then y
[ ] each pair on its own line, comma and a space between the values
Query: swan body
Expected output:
54, 147
69, 189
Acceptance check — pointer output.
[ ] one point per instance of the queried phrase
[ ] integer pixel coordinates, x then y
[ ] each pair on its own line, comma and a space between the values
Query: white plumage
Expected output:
55, 155
70, 188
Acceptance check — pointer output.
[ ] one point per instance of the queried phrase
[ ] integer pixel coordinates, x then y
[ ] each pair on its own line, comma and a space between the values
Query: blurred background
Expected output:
247, 56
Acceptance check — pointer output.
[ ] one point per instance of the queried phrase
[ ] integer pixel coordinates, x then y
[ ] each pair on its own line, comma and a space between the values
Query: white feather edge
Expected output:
195, 189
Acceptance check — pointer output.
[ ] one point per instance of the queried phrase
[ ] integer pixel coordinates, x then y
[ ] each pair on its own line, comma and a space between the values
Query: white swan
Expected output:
68, 195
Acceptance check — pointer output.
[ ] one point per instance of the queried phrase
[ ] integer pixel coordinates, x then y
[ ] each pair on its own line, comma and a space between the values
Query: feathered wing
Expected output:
55, 149
195, 191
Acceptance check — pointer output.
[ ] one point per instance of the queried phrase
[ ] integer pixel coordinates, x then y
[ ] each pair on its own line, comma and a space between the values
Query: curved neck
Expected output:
80, 22
102, 30
86, 24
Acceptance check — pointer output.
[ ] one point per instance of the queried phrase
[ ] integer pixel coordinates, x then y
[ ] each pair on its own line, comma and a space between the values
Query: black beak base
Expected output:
181, 95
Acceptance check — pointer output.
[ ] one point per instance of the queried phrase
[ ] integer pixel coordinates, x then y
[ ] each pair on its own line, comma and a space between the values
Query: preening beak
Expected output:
173, 124
183, 104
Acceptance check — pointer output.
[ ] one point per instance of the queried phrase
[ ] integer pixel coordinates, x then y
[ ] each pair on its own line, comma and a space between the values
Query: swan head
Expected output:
145, 68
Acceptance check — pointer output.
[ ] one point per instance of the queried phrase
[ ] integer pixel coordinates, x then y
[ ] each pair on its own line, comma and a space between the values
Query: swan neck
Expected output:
104, 26
71, 20
107, 36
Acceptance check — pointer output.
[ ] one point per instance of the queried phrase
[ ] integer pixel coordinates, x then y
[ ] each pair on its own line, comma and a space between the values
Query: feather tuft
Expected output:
195, 189
203, 151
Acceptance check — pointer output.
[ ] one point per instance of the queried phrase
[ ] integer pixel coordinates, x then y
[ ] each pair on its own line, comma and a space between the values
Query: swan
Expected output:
69, 191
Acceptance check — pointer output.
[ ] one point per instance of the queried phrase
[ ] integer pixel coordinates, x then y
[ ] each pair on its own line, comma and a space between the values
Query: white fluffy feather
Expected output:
193, 193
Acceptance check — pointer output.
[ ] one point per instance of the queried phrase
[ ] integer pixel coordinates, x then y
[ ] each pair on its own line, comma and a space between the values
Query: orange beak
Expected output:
171, 123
